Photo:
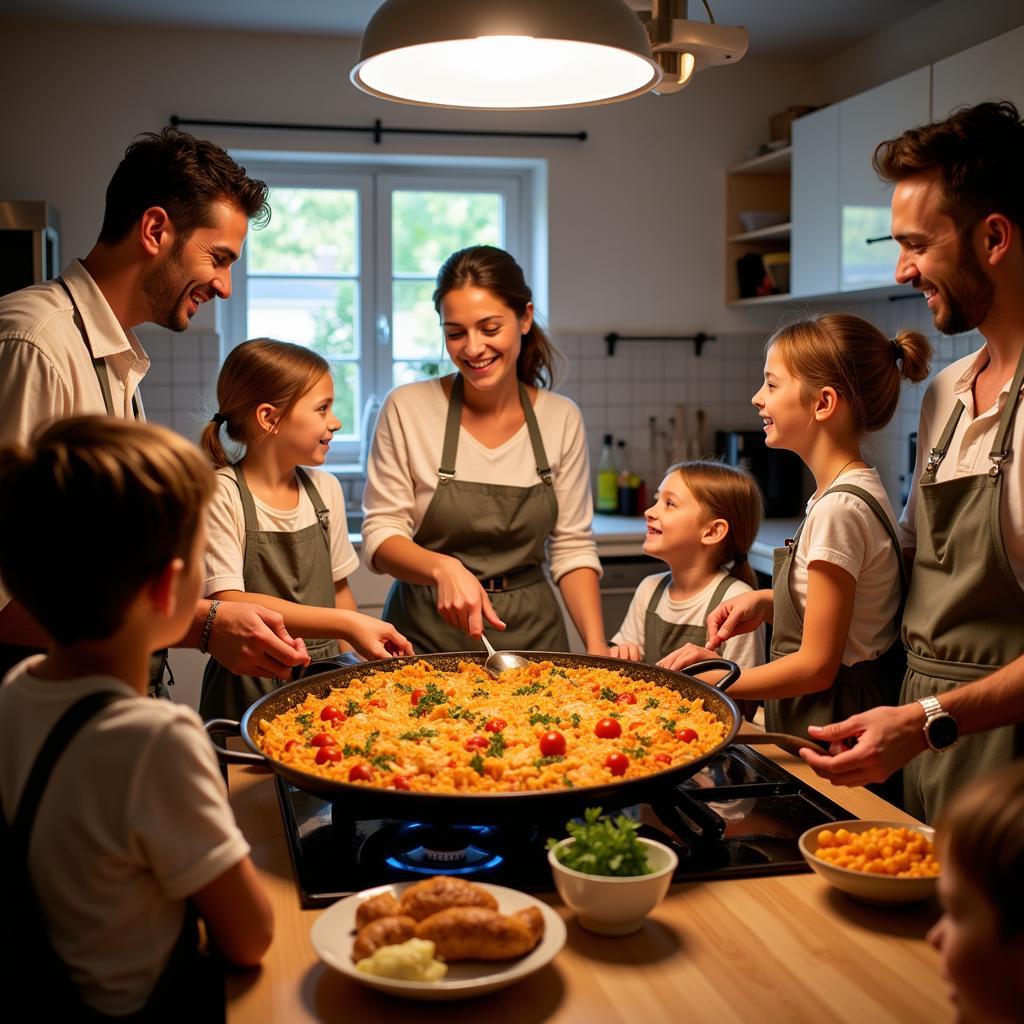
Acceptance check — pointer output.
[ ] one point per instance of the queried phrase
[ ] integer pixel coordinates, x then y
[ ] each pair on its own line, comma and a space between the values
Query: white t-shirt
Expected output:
402, 472
840, 528
747, 649
134, 820
968, 450
225, 544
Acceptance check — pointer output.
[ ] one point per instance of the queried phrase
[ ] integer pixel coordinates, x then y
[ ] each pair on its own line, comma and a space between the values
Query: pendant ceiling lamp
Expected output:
505, 54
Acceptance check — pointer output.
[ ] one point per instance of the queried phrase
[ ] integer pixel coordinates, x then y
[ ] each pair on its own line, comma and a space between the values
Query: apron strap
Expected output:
658, 591
248, 505
99, 364
322, 514
1001, 449
536, 442
453, 424
872, 503
938, 453
718, 596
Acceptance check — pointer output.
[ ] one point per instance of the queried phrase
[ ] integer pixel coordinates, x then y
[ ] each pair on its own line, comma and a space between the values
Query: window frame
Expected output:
375, 184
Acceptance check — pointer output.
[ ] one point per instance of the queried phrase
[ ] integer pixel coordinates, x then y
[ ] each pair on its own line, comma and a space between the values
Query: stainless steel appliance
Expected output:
780, 473
29, 244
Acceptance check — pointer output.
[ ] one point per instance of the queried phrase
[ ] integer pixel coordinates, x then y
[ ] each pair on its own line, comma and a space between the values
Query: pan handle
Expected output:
731, 669
787, 741
229, 727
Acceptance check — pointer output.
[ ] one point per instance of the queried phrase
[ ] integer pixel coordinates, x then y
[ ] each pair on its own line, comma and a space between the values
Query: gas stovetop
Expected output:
741, 815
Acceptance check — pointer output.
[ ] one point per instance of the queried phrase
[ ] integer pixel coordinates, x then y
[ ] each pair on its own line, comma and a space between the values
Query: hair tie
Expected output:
740, 558
218, 418
897, 349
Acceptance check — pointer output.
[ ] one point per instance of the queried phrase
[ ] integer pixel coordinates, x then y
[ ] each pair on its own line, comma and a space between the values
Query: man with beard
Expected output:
177, 212
958, 216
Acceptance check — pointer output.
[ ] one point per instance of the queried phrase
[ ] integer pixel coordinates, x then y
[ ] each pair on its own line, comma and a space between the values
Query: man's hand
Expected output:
742, 614
688, 654
374, 639
885, 739
251, 640
625, 652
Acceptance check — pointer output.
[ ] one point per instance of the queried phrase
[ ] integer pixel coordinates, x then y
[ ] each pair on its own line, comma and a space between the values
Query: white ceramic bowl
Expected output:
868, 887
614, 905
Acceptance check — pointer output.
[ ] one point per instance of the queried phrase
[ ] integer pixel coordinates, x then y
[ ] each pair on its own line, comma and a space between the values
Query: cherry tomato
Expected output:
663, 758
378, 703
360, 773
495, 725
552, 744
290, 745
608, 729
325, 754
323, 739
477, 743
616, 763
686, 735
595, 688
415, 696
332, 714
400, 782
626, 698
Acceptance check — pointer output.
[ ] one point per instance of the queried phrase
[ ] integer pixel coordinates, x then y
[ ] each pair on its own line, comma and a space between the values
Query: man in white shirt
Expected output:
958, 216
177, 213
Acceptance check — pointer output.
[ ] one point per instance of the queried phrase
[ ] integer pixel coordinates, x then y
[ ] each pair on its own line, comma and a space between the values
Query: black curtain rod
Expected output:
698, 339
377, 129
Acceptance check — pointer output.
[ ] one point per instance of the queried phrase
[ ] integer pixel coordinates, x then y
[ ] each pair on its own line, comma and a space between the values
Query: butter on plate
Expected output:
412, 960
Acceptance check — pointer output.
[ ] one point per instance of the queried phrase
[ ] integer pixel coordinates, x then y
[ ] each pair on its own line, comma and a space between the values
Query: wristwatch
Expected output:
941, 731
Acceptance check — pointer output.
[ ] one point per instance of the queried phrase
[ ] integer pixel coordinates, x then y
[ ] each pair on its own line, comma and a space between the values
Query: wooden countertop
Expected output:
786, 948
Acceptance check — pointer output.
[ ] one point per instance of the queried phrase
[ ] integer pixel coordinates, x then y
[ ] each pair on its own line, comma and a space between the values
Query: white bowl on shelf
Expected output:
614, 904
754, 220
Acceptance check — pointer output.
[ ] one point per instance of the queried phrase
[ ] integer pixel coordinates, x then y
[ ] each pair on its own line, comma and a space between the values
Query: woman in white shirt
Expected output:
477, 481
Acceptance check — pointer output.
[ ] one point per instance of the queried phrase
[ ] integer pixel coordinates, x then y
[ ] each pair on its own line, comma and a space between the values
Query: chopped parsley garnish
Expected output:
544, 719
607, 693
480, 692
668, 723
305, 719
567, 782
683, 709
458, 711
353, 708
525, 691
476, 762
603, 846
652, 703
637, 753
497, 746
381, 761
543, 762
432, 697
404, 687
558, 672
575, 719
614, 714
418, 734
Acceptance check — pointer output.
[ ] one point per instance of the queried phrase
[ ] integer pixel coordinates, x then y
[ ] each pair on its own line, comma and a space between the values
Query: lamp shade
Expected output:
513, 55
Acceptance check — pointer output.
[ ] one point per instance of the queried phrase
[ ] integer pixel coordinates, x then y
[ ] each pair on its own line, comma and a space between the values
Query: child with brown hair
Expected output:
116, 828
278, 533
702, 523
980, 937
838, 585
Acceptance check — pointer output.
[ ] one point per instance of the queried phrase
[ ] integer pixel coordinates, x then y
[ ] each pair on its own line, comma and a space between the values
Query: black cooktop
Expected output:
739, 816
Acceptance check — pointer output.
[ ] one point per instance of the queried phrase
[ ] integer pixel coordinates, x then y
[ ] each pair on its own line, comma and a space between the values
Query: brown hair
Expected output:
183, 175
849, 354
104, 503
981, 830
263, 370
978, 153
726, 492
485, 266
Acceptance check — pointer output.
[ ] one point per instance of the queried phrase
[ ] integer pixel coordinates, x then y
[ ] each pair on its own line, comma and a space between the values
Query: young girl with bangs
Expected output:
838, 585
702, 523
278, 534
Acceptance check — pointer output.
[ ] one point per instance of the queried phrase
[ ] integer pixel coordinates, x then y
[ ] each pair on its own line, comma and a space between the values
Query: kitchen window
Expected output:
347, 267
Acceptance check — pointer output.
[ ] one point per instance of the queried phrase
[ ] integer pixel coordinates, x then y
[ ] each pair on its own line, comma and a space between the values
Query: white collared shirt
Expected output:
969, 449
45, 366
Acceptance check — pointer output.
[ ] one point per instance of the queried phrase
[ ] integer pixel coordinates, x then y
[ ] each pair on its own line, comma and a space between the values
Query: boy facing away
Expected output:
132, 834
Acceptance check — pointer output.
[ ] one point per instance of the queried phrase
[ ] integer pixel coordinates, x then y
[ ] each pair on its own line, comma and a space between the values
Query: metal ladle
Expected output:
497, 663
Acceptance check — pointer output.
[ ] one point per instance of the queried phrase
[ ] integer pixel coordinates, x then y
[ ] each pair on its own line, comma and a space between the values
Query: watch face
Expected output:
943, 731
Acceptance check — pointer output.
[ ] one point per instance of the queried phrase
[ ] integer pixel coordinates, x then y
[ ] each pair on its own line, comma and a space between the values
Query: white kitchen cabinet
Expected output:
814, 203
992, 70
867, 256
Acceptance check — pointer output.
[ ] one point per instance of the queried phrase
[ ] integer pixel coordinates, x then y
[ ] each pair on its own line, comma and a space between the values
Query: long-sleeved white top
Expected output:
401, 475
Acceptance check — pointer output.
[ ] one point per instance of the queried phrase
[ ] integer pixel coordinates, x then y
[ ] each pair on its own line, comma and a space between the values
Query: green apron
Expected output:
292, 566
662, 638
965, 612
498, 533
160, 676
856, 688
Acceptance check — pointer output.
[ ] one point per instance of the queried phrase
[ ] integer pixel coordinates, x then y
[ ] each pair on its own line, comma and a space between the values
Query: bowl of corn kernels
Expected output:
875, 861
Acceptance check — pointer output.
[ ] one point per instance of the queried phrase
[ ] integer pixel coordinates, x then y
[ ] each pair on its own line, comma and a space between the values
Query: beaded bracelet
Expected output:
204, 641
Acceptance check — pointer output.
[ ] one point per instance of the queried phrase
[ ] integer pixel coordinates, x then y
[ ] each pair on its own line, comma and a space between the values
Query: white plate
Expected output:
334, 932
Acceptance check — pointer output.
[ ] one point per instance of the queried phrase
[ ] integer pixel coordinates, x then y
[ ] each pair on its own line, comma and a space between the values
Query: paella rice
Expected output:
539, 728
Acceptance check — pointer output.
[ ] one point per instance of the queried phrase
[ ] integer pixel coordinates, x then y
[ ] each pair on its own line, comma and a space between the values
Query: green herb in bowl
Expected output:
603, 846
